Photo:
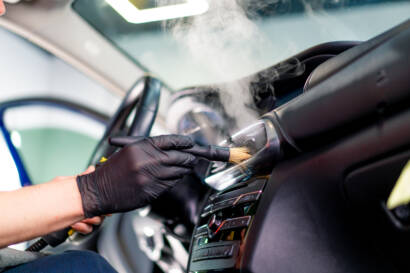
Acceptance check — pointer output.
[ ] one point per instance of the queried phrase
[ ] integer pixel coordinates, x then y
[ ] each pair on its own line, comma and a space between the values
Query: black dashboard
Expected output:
320, 210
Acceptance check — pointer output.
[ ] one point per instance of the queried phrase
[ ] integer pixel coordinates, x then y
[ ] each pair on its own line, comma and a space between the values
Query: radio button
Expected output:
243, 198
202, 230
218, 252
236, 223
223, 204
248, 197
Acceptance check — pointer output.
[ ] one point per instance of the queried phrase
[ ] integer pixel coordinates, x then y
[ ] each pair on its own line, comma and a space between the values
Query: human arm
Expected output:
37, 210
130, 179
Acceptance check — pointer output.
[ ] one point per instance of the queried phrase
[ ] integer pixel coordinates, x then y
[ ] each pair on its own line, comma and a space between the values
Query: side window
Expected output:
27, 70
52, 141
49, 141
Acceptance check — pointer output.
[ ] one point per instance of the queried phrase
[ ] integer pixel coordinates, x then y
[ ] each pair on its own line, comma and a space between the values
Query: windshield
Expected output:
195, 42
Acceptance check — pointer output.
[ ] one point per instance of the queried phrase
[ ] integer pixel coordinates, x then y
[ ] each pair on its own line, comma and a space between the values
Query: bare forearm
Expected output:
37, 210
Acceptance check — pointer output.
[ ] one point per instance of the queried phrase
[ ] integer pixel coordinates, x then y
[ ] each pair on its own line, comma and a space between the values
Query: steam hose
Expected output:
53, 239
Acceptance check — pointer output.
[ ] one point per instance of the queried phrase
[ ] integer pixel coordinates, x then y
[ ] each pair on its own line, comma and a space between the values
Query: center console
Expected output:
222, 230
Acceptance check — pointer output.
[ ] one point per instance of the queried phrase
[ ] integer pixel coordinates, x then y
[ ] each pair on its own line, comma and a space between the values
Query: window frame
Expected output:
41, 101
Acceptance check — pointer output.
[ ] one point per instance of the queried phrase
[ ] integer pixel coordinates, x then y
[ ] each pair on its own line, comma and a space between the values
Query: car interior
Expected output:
324, 112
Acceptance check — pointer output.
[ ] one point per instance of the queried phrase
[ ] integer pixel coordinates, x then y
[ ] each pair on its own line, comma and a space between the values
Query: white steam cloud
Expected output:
229, 45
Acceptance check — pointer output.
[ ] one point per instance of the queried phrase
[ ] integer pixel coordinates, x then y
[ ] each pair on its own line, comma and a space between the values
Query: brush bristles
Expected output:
239, 154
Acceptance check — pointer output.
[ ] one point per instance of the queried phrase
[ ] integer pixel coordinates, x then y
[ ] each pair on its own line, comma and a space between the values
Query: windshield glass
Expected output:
196, 42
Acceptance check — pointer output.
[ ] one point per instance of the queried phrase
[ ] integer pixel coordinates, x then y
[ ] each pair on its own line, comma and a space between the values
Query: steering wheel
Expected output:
143, 97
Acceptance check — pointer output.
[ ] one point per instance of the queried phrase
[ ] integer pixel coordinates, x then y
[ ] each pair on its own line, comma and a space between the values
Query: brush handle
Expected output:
210, 152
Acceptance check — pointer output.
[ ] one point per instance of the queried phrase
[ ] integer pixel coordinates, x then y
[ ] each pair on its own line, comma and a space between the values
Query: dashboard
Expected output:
322, 209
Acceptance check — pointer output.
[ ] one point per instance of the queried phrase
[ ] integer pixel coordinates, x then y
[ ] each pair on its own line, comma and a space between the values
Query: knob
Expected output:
214, 224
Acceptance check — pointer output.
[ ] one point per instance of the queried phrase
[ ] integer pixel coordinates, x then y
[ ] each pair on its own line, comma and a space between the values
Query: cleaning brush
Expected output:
215, 153
239, 154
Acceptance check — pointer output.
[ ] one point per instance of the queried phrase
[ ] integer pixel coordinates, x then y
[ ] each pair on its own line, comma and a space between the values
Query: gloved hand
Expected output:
137, 174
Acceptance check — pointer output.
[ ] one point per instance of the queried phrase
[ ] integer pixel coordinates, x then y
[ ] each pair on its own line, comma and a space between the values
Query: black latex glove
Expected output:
137, 174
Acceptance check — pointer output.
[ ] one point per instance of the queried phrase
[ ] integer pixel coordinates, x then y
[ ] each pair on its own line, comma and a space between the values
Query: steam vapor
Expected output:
228, 42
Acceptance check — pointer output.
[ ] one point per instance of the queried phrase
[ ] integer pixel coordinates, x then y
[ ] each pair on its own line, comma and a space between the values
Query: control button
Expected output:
204, 214
202, 230
236, 223
240, 188
237, 194
248, 197
228, 251
207, 210
211, 208
218, 256
243, 198
201, 254
229, 189
214, 224
202, 241
219, 252
223, 204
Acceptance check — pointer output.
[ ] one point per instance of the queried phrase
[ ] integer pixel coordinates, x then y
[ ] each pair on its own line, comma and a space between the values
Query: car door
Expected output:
47, 138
